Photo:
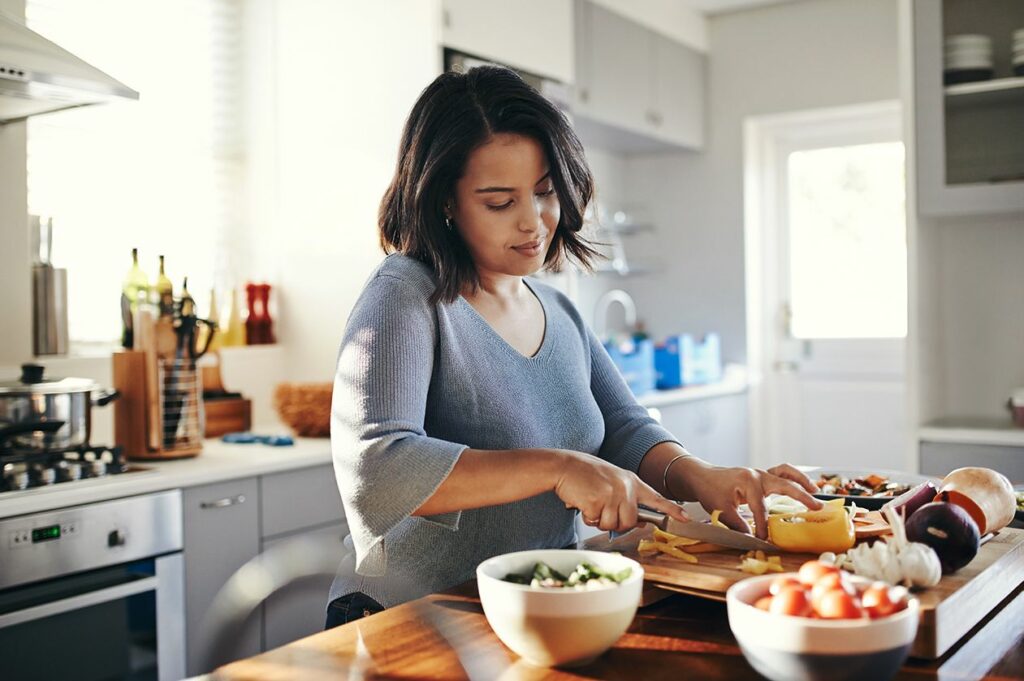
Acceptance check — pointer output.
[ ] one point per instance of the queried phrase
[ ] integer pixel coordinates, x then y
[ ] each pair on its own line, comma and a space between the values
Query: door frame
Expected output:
767, 139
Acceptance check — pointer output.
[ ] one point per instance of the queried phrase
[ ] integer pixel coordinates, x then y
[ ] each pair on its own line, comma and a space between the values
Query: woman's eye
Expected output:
501, 207
549, 192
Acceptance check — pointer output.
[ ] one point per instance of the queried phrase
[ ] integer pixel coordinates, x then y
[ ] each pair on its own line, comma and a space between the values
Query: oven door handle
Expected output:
80, 601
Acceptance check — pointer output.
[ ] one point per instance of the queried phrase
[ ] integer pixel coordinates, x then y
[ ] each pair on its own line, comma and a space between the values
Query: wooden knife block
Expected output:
156, 395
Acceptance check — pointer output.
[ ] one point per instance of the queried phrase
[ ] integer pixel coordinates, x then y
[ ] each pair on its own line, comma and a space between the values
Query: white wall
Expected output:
341, 82
773, 59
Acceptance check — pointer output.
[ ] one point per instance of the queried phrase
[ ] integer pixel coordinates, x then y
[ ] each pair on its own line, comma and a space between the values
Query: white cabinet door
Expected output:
299, 609
679, 92
221, 524
618, 70
532, 35
715, 429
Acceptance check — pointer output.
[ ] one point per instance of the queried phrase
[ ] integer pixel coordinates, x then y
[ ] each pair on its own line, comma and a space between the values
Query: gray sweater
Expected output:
417, 383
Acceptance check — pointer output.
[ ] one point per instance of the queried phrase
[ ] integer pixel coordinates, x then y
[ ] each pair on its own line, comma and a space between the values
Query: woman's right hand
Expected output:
606, 495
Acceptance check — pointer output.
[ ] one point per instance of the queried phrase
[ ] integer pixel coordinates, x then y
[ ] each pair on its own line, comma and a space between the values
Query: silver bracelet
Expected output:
664, 477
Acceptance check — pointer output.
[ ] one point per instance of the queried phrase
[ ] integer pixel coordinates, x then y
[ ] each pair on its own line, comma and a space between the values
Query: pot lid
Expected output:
32, 382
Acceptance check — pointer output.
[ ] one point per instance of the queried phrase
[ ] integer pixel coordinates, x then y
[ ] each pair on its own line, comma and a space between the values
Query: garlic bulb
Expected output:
894, 561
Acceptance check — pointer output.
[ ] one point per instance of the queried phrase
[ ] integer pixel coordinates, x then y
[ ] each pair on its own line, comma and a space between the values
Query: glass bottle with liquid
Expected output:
164, 292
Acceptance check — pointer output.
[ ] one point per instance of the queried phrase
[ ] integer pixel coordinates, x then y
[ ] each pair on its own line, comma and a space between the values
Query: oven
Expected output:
94, 592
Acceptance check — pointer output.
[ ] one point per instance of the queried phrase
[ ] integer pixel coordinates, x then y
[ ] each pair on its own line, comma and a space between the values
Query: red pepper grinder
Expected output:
268, 323
253, 322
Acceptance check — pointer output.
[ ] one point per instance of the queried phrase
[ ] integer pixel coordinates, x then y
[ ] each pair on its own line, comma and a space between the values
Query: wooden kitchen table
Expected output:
677, 637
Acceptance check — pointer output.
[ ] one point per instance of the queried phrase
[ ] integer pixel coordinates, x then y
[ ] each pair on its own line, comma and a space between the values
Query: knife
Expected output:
704, 531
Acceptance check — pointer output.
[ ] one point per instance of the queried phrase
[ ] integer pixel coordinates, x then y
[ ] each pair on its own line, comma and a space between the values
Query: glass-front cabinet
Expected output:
969, 106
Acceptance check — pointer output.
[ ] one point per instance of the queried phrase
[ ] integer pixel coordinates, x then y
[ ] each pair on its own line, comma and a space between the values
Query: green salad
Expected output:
584, 577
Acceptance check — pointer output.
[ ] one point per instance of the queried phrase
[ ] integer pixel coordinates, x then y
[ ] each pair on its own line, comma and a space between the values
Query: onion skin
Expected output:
913, 499
949, 530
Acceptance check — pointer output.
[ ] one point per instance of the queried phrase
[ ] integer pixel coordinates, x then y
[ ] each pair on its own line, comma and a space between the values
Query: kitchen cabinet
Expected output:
299, 504
969, 138
678, 97
299, 609
715, 429
532, 35
299, 499
939, 458
229, 523
636, 90
221, 533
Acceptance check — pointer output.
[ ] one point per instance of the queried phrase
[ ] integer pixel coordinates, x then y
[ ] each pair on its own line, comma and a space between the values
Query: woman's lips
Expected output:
530, 249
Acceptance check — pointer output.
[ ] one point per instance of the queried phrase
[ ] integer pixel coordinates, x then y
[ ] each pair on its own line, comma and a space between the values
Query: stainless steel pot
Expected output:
31, 404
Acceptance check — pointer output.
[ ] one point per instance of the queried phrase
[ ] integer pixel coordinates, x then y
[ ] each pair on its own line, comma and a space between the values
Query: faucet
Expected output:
605, 302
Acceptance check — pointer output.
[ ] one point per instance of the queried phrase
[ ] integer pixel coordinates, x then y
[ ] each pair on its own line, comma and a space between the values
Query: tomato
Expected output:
812, 570
764, 603
791, 600
838, 605
829, 581
781, 582
881, 601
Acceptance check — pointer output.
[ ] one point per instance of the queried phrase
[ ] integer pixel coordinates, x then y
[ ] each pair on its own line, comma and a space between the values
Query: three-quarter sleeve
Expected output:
385, 463
630, 432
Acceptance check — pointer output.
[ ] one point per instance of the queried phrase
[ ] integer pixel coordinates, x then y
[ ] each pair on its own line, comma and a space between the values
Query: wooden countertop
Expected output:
678, 636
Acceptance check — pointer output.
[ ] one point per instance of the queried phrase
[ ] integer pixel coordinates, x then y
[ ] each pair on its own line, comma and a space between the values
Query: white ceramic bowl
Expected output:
784, 648
558, 627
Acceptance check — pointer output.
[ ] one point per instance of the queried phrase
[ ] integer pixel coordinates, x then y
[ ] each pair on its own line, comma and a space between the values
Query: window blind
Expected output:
163, 174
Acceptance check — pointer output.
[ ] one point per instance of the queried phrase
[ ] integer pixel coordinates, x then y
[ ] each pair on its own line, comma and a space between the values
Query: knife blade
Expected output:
696, 528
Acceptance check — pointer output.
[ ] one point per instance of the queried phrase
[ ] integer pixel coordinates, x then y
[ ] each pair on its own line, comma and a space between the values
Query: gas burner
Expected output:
42, 476
23, 469
15, 477
69, 471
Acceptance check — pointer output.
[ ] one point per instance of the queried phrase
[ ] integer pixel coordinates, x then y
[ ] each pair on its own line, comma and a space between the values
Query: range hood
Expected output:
38, 76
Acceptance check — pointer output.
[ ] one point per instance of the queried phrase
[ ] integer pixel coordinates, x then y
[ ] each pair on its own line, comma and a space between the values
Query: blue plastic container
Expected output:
681, 361
635, 361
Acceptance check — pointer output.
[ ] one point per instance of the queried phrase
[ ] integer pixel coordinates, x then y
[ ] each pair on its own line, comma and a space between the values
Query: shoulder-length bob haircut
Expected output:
454, 115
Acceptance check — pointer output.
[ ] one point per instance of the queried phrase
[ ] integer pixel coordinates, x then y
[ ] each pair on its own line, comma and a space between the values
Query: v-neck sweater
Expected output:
417, 383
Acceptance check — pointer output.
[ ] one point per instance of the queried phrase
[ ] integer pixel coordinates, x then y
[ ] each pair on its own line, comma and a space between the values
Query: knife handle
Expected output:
646, 515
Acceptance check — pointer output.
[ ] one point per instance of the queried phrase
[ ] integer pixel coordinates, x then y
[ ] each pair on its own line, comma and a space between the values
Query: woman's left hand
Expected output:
718, 488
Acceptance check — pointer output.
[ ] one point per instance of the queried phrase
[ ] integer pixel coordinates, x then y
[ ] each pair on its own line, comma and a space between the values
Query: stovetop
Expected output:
24, 469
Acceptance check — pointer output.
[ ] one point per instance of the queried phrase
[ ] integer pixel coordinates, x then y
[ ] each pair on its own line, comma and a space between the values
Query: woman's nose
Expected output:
532, 220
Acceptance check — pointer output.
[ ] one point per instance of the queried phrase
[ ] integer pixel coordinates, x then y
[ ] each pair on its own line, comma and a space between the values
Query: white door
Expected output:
827, 288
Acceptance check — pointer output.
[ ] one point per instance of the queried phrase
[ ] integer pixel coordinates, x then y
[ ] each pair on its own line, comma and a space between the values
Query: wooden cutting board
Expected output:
949, 610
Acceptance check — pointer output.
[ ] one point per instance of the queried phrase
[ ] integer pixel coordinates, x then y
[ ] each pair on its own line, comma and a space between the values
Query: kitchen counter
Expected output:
679, 636
218, 462
734, 381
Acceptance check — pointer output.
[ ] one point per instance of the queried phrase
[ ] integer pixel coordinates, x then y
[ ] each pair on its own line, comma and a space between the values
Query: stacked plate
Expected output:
967, 58
1018, 52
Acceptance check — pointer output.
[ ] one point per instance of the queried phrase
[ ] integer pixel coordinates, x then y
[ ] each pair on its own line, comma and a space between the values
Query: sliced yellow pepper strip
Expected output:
673, 539
676, 553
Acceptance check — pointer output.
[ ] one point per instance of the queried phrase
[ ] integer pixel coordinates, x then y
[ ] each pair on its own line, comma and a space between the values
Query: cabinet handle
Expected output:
223, 503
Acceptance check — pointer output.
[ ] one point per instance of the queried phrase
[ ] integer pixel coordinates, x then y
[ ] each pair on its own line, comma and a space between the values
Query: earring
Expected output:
448, 223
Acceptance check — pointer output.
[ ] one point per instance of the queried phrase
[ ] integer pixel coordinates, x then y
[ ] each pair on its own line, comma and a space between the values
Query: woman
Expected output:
474, 412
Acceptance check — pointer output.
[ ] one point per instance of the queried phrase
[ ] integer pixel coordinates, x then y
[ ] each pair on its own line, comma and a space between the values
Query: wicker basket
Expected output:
305, 407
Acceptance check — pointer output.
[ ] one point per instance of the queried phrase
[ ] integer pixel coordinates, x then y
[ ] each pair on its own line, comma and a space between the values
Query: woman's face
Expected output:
505, 206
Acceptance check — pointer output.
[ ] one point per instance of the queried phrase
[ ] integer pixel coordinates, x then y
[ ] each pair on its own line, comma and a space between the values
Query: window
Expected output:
848, 242
163, 174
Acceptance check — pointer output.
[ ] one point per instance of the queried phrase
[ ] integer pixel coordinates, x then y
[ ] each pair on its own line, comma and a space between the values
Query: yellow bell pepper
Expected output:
830, 529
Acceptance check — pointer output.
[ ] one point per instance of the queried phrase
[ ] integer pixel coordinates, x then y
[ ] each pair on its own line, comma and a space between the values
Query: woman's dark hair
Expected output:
454, 115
